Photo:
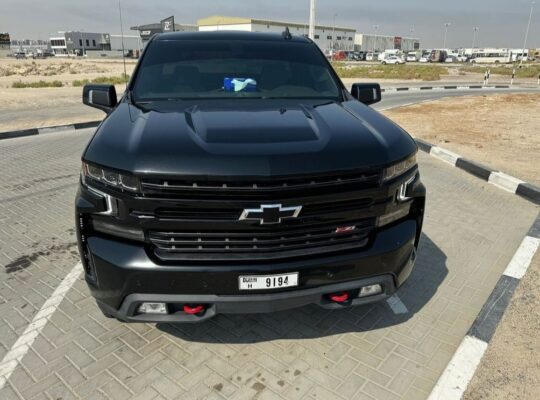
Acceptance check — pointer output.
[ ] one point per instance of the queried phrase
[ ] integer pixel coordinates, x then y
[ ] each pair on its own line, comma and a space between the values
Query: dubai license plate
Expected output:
262, 282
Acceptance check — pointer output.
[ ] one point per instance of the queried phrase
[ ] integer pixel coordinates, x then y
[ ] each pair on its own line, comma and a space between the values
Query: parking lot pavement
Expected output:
390, 350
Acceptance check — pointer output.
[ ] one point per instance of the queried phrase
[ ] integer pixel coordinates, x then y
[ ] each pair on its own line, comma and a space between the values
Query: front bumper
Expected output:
121, 275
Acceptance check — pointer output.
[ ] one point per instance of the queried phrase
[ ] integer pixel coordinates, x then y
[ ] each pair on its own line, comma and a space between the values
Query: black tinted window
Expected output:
233, 69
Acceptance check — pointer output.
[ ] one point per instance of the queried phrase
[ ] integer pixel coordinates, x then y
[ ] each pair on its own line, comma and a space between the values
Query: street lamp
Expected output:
376, 28
475, 31
527, 33
82, 41
446, 25
333, 31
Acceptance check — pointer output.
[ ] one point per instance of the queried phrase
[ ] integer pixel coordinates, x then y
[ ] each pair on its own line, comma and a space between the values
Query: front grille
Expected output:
232, 212
283, 242
266, 188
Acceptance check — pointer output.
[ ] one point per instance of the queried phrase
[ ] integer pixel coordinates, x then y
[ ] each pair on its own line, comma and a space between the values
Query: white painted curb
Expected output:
504, 181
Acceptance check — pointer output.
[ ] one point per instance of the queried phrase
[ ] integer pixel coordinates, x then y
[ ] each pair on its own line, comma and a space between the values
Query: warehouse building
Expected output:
79, 43
147, 31
5, 41
326, 37
380, 43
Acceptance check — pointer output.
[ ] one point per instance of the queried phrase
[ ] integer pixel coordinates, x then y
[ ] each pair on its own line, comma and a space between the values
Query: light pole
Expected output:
376, 28
312, 19
82, 40
333, 31
446, 25
475, 31
527, 33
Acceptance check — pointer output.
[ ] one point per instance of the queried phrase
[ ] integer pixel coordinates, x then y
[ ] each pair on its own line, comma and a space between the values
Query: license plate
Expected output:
262, 282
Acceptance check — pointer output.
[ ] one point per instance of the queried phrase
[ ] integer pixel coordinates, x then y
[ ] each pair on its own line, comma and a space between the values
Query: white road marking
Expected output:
12, 359
444, 155
522, 258
459, 372
397, 305
504, 181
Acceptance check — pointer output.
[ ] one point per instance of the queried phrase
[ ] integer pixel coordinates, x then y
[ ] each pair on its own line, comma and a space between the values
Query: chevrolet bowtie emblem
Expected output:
270, 213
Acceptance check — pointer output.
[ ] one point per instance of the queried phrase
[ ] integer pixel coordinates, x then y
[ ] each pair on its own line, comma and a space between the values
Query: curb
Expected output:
448, 87
526, 190
455, 379
48, 129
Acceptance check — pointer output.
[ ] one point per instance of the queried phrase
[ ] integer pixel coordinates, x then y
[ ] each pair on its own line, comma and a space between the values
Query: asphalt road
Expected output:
399, 99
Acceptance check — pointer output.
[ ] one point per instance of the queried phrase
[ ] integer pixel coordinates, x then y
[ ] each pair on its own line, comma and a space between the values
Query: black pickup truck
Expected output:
236, 174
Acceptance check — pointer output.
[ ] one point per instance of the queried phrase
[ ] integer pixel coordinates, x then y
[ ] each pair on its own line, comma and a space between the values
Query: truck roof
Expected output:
229, 35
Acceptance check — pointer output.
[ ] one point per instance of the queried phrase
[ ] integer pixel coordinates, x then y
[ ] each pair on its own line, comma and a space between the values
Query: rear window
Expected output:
180, 69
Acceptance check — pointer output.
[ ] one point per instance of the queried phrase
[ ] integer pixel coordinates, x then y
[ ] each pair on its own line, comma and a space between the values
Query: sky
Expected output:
501, 23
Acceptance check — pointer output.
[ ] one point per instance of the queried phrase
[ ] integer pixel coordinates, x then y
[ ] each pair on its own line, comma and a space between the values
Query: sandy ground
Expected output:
498, 130
42, 107
65, 70
510, 369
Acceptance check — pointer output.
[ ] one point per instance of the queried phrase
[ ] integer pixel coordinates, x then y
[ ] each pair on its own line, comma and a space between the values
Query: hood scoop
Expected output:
244, 126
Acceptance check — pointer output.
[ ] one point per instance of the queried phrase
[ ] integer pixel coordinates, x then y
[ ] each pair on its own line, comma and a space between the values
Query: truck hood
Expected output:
251, 138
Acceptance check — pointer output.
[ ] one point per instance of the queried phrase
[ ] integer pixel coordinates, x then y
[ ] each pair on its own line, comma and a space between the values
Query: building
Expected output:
326, 37
380, 43
5, 41
76, 42
147, 31
79, 43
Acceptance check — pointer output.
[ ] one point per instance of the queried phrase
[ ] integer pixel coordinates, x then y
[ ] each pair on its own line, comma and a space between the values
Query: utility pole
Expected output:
334, 32
312, 20
376, 28
475, 31
446, 25
82, 40
527, 33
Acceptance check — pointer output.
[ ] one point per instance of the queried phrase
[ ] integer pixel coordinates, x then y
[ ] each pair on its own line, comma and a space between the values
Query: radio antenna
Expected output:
123, 50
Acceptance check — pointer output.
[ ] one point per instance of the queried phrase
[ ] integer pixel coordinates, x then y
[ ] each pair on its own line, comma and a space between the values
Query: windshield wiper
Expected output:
325, 103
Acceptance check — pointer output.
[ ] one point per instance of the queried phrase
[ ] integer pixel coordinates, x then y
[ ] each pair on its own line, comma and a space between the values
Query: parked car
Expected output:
411, 58
450, 59
372, 56
393, 60
43, 54
205, 191
19, 55
339, 56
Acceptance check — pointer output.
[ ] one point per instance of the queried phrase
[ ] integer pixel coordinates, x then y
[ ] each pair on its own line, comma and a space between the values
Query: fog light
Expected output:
370, 290
114, 229
401, 212
153, 308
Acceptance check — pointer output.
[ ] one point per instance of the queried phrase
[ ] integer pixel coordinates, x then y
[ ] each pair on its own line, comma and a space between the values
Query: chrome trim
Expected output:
112, 208
402, 193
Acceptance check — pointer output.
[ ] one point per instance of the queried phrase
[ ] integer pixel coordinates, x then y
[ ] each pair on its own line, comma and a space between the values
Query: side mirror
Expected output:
367, 93
102, 97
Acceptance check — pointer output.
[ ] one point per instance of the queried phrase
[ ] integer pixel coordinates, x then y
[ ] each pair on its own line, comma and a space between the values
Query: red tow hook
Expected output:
339, 297
193, 310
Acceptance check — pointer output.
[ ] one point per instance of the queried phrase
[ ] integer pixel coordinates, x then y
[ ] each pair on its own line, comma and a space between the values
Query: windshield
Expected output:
204, 69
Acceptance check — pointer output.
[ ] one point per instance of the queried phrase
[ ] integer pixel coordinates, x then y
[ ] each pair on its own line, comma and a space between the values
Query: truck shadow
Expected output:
314, 322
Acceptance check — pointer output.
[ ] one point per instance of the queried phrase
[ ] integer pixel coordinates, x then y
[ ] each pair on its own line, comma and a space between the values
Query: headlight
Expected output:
400, 168
110, 178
